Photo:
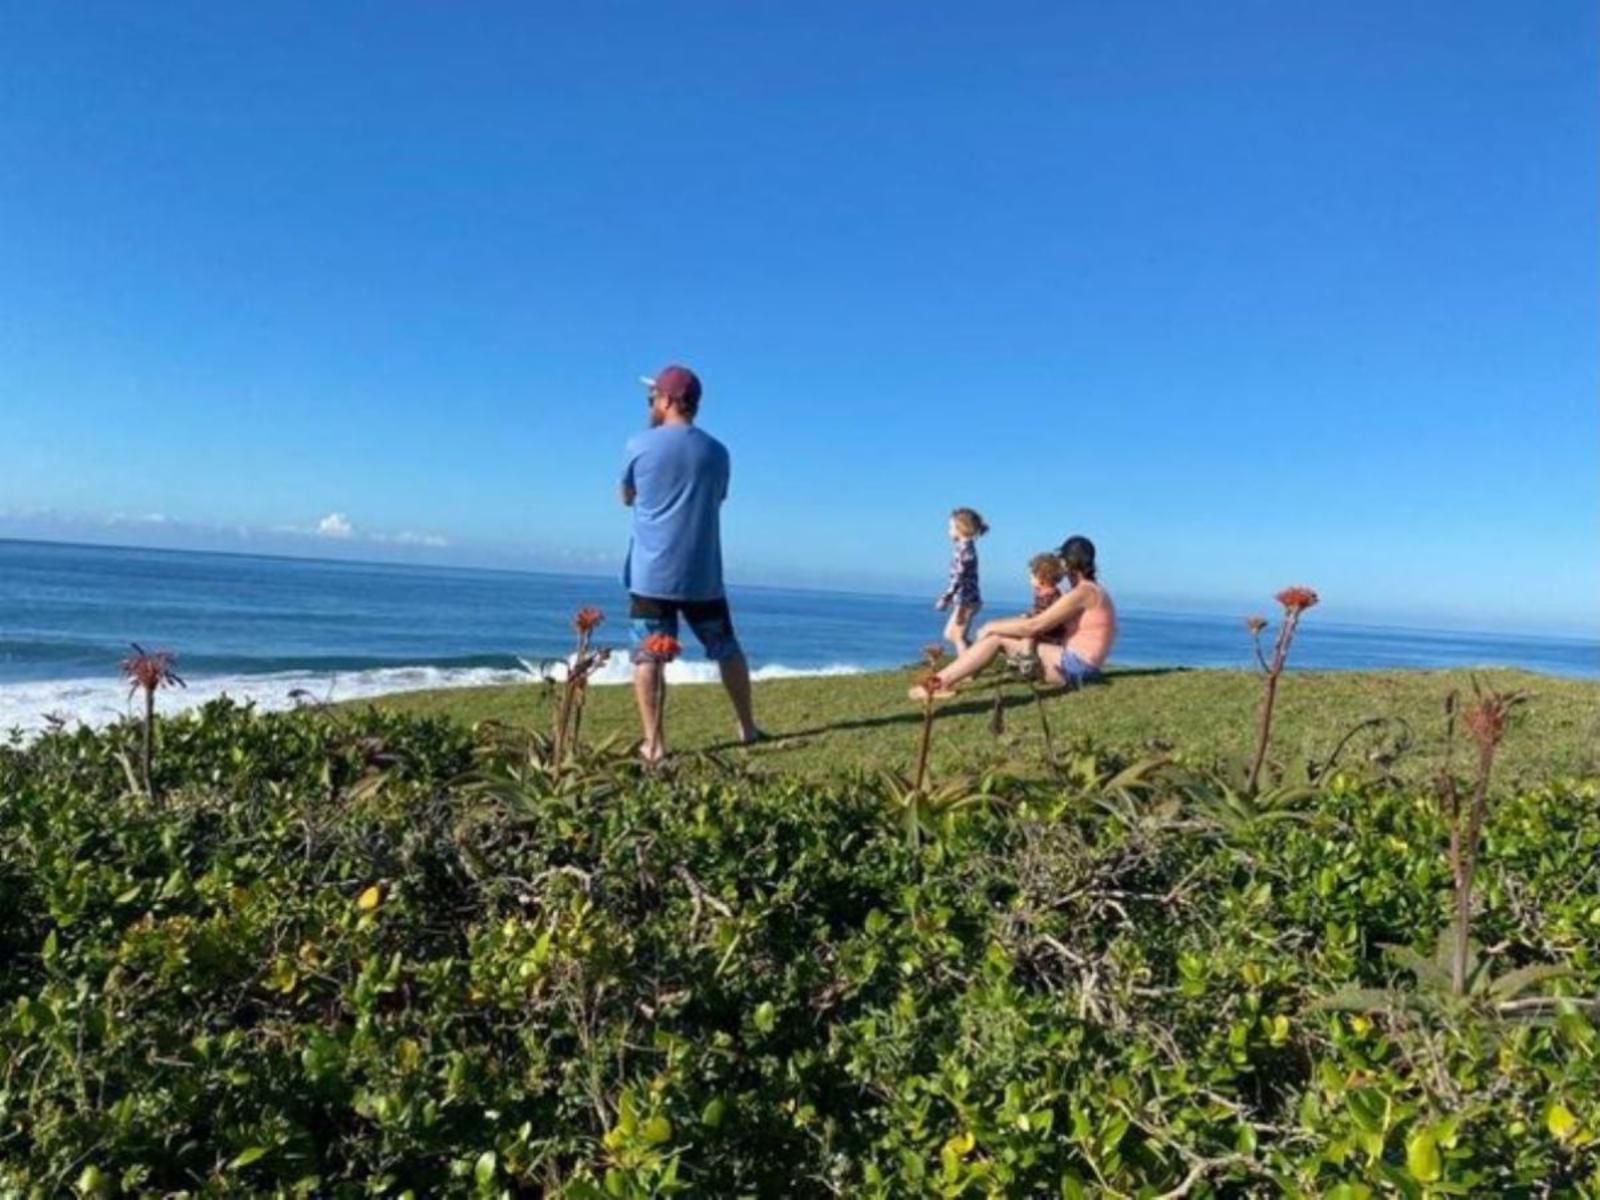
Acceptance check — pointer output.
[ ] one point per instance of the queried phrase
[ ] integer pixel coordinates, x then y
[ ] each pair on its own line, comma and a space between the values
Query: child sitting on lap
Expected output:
1045, 572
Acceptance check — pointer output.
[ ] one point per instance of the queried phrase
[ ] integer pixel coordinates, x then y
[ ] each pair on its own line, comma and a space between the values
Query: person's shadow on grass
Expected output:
981, 701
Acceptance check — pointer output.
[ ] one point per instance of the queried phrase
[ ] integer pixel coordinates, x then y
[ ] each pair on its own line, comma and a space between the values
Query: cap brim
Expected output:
647, 381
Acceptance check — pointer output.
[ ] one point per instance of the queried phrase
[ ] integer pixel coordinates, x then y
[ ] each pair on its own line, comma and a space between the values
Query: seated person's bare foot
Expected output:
1026, 665
920, 693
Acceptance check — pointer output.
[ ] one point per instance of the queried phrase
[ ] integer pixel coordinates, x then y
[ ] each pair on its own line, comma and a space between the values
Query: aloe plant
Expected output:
924, 812
1437, 989
1227, 809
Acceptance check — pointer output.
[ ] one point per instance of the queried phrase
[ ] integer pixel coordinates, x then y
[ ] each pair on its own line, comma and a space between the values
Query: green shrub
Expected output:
360, 955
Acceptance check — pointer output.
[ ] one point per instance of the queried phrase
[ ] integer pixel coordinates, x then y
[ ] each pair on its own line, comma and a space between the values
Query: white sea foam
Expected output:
31, 707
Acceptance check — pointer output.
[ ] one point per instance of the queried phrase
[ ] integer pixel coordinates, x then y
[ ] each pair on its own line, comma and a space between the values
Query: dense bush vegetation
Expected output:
365, 955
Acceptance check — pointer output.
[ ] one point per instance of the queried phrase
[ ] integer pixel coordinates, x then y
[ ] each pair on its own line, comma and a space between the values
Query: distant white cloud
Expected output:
139, 519
335, 525
338, 526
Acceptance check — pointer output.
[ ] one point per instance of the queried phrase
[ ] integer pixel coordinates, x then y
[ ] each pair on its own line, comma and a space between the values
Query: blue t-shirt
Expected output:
679, 476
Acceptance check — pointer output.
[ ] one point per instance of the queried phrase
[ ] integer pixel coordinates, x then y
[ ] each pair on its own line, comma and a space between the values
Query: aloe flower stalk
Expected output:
1044, 723
148, 671
1255, 625
1486, 723
930, 682
574, 687
1295, 601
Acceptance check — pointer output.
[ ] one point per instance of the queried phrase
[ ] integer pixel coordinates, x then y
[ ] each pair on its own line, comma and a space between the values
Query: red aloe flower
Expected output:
588, 619
1297, 599
1486, 723
662, 647
1486, 719
1255, 624
150, 669
932, 654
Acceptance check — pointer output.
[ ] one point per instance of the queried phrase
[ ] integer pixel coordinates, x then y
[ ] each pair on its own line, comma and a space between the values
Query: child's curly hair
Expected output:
1047, 568
969, 523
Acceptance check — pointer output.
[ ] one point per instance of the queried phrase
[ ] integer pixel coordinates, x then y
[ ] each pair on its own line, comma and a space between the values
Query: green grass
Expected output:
840, 722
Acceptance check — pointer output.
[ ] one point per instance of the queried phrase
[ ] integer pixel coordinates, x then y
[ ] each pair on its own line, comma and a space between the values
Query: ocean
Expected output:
265, 628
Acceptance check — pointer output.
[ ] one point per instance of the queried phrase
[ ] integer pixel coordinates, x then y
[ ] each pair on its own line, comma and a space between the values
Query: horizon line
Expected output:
1587, 637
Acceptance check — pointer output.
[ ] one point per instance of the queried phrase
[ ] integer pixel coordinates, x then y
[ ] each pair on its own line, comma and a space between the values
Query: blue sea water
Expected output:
261, 628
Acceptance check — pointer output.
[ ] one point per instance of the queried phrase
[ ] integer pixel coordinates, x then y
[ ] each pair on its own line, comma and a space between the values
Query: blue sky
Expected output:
1253, 294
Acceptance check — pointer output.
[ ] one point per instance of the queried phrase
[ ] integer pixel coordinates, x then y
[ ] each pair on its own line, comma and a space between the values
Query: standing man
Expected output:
675, 482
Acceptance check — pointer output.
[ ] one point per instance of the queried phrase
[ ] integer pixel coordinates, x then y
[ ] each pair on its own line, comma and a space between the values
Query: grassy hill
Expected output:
824, 724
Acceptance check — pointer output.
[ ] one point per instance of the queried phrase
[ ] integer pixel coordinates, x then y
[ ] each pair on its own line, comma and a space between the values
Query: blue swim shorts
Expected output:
1074, 671
710, 620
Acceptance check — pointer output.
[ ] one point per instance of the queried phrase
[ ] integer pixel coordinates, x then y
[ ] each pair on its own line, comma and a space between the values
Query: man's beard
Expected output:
657, 418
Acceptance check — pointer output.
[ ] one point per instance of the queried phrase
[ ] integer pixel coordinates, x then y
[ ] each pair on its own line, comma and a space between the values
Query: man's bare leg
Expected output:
735, 671
647, 694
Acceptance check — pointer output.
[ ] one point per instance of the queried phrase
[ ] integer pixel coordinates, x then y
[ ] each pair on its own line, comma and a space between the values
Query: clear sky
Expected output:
1251, 293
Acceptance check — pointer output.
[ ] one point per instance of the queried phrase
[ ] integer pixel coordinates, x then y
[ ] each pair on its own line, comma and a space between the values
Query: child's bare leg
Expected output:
952, 632
959, 631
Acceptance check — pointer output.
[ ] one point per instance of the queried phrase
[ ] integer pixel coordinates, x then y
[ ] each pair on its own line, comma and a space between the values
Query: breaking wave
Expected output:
34, 706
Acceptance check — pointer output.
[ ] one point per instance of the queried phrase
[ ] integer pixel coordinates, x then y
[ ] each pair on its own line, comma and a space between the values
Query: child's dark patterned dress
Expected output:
963, 590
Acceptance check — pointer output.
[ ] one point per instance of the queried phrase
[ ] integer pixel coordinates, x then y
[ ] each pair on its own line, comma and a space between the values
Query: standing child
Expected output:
962, 598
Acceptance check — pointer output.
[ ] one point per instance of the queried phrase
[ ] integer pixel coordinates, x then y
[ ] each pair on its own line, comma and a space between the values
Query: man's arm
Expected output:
629, 492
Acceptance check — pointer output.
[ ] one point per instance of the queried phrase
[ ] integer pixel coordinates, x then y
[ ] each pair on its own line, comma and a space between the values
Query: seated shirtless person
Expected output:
1085, 614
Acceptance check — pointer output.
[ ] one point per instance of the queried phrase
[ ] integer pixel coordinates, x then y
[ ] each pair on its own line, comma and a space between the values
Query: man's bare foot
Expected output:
919, 693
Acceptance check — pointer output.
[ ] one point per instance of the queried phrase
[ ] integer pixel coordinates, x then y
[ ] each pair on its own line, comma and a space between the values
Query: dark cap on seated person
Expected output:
677, 384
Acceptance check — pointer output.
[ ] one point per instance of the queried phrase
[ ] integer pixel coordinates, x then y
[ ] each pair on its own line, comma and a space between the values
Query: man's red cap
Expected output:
677, 384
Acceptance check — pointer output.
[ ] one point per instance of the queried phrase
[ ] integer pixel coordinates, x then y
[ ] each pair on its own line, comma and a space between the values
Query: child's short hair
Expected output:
969, 523
1047, 567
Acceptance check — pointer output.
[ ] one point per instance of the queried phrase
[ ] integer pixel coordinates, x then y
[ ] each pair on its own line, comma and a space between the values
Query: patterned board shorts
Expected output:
710, 620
